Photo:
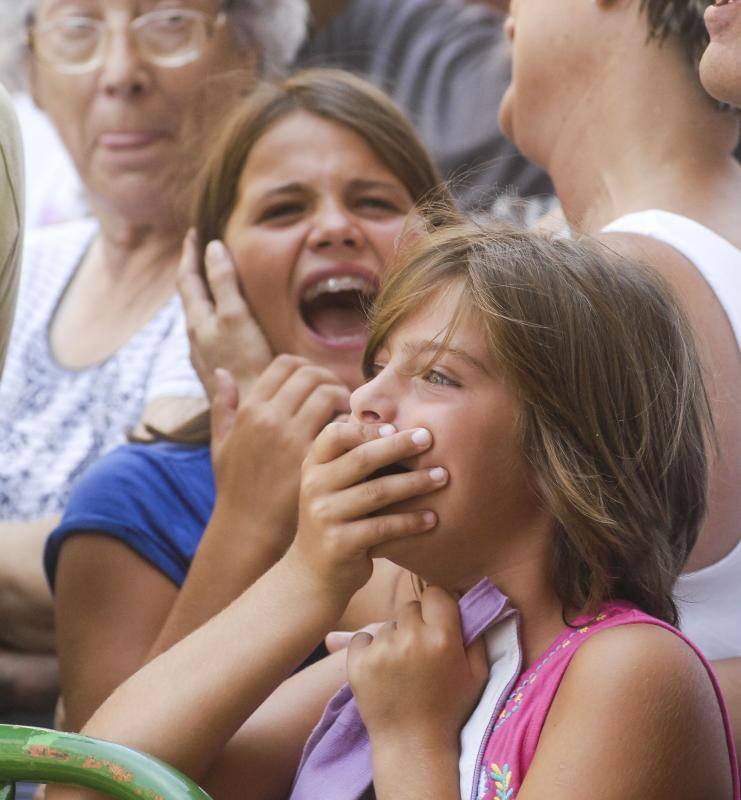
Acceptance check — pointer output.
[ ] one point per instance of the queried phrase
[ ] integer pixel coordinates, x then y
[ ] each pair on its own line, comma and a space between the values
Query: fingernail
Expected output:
386, 430
422, 437
438, 474
190, 236
429, 518
215, 249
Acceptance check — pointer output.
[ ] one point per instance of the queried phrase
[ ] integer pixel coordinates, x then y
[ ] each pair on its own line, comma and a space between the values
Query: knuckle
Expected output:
319, 510
288, 360
384, 527
329, 394
440, 640
230, 317
309, 479
376, 491
362, 459
334, 433
264, 418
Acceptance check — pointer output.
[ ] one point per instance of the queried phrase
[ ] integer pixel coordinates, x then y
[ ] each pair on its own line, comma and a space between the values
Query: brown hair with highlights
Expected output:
681, 18
615, 424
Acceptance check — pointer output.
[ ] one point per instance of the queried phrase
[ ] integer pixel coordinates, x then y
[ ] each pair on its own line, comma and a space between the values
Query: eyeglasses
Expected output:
170, 37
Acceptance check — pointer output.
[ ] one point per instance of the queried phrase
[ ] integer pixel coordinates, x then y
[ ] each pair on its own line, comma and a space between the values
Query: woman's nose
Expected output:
334, 227
374, 401
124, 72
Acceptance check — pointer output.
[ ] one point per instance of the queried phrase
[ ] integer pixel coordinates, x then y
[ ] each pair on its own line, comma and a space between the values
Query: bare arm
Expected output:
25, 601
104, 630
729, 676
635, 707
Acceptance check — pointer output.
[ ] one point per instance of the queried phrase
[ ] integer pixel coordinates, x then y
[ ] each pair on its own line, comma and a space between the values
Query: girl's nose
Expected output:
335, 228
374, 401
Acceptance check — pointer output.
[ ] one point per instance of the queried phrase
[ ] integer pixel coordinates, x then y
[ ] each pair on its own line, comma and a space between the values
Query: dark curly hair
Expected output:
682, 18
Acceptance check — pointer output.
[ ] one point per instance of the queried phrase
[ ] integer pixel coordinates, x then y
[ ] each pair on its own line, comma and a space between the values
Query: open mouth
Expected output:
335, 308
390, 469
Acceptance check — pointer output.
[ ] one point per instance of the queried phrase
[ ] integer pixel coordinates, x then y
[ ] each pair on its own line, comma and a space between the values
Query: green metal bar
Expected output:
46, 756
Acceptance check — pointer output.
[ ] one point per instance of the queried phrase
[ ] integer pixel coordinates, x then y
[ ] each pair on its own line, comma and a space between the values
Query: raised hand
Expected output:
343, 507
260, 441
221, 329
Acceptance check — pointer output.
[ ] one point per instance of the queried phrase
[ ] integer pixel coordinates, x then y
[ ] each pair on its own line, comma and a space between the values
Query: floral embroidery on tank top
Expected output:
498, 781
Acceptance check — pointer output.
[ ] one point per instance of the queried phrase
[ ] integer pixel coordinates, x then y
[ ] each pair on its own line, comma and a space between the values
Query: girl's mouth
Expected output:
390, 469
334, 308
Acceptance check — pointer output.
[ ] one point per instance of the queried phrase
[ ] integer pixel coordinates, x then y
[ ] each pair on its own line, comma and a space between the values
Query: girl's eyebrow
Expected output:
286, 188
363, 183
366, 185
412, 349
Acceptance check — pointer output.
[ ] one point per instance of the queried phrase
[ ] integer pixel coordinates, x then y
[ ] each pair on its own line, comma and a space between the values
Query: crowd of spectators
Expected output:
260, 242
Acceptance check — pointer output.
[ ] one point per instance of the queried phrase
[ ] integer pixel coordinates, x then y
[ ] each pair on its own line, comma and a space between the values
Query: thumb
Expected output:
224, 405
339, 640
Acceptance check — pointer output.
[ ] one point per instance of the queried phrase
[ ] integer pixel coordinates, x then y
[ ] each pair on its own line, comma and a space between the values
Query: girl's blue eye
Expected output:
437, 378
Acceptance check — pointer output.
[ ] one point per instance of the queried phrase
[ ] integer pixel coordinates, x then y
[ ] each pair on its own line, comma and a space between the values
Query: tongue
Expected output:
336, 316
336, 322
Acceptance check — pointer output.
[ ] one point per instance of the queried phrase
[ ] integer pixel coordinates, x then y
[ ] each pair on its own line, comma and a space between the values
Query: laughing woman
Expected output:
310, 187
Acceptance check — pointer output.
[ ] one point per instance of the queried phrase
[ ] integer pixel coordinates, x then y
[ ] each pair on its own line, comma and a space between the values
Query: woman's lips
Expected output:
128, 140
722, 16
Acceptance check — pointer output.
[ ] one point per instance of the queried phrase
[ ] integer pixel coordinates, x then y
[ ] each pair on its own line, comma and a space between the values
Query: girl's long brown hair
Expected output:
615, 422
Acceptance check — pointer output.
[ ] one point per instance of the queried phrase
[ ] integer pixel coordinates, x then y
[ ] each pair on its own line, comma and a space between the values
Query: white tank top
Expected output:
709, 600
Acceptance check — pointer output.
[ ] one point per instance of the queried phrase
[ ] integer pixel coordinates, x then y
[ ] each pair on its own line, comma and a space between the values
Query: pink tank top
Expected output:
512, 742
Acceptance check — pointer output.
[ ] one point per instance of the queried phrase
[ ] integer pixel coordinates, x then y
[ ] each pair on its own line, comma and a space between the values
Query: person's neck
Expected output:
144, 253
646, 136
541, 611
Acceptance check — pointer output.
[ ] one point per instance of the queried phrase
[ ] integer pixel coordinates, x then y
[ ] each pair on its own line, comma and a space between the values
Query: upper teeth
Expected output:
342, 283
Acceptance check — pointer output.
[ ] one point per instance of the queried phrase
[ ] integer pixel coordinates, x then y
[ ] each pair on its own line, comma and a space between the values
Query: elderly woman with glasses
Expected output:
134, 89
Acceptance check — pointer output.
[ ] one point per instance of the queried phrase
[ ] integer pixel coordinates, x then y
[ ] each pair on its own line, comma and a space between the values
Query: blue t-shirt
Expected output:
156, 498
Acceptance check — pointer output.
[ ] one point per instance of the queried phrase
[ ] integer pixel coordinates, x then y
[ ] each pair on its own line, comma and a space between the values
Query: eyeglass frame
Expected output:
95, 63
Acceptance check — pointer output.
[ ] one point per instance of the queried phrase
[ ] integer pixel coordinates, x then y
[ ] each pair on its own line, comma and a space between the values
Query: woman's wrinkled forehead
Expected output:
135, 7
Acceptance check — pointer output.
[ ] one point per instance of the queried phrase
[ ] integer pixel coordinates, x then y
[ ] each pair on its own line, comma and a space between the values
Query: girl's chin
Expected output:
721, 75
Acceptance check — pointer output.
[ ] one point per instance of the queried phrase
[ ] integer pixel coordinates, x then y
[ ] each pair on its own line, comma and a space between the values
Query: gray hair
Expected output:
277, 28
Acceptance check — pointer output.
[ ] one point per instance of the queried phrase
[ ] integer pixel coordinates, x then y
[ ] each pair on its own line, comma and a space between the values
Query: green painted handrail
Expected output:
46, 756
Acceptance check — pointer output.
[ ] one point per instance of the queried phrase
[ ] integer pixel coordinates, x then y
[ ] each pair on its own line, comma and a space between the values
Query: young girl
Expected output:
534, 420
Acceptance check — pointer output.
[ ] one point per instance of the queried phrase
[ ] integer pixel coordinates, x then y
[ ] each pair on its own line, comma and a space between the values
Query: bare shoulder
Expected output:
635, 706
664, 258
